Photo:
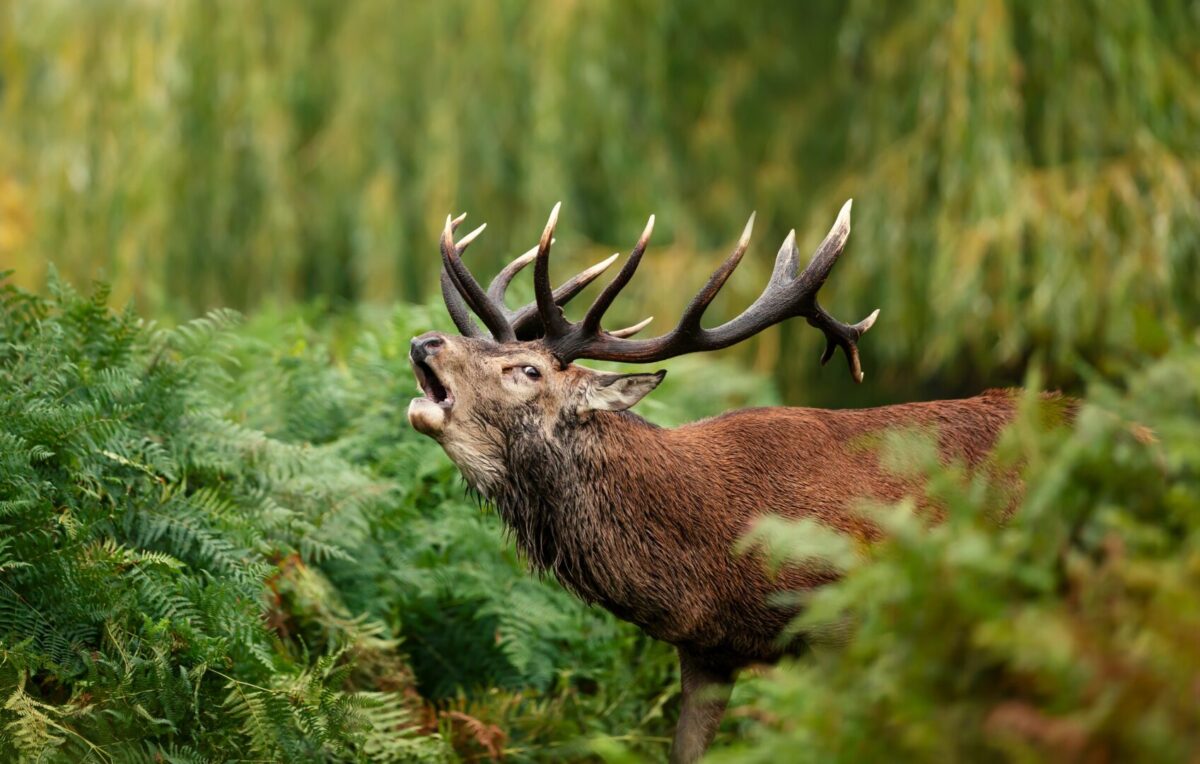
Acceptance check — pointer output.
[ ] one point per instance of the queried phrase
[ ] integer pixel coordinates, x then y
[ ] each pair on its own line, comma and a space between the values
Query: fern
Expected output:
145, 536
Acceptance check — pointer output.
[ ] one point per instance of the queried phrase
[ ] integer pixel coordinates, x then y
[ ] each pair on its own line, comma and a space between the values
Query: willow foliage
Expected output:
1025, 173
1032, 178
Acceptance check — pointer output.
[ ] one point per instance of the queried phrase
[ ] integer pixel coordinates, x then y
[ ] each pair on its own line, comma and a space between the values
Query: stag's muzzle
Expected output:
428, 413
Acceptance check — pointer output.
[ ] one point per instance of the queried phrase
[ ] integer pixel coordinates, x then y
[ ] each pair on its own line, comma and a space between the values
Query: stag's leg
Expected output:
705, 695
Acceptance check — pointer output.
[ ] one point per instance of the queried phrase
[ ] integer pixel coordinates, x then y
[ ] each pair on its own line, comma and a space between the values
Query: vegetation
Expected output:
222, 539
161, 595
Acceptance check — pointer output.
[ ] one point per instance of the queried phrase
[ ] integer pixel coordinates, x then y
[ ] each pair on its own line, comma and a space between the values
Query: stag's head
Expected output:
482, 392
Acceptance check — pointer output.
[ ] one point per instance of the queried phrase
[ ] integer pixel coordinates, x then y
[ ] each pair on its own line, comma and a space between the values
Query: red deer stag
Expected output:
643, 519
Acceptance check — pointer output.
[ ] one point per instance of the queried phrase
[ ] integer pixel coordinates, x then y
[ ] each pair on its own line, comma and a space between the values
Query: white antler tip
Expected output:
749, 229
600, 267
844, 214
840, 231
549, 229
647, 231
464, 241
629, 331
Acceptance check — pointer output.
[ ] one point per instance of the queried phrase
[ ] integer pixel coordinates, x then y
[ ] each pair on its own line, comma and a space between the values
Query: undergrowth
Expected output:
161, 587
223, 542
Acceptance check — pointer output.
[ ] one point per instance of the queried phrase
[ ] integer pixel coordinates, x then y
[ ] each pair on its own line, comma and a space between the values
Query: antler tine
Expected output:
576, 283
786, 261
553, 321
837, 334
827, 252
690, 321
461, 245
629, 331
562, 295
460, 314
595, 313
499, 285
466, 285
527, 322
844, 336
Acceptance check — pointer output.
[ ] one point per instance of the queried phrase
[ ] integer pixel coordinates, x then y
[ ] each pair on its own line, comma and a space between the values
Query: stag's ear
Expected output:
617, 392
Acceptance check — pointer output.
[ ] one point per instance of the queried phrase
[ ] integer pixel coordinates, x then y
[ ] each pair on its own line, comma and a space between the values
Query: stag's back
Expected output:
821, 462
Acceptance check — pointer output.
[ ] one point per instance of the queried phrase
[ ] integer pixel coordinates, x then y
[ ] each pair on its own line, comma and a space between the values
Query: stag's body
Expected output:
644, 520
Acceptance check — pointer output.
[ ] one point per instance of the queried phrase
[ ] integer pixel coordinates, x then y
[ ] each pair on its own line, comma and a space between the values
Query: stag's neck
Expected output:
593, 498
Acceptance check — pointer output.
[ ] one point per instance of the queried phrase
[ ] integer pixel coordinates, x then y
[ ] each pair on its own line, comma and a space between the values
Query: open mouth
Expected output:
431, 385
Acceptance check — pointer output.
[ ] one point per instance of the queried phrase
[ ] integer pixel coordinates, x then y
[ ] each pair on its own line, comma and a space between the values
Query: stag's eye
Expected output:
531, 372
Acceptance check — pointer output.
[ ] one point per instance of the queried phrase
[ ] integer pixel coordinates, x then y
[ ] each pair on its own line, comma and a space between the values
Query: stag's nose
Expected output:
426, 345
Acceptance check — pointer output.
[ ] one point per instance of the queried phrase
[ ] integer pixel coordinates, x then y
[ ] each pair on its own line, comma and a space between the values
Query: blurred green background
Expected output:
1026, 175
1026, 178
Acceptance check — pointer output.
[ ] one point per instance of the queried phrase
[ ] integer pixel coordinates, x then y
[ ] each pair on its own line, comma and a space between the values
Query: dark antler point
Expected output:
830, 348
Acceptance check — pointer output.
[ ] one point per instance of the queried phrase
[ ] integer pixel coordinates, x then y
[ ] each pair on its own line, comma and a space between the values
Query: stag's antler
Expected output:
786, 295
462, 292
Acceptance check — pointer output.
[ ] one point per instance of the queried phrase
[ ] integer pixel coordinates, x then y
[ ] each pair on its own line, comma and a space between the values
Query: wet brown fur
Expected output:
643, 520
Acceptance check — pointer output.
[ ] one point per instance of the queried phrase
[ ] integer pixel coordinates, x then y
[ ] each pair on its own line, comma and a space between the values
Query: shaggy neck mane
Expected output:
565, 498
